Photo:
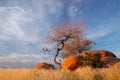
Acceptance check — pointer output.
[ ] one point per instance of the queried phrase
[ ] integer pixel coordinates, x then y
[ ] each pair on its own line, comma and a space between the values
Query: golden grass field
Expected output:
79, 74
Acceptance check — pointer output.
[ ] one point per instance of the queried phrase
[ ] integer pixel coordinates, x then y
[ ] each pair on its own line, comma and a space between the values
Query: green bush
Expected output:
92, 60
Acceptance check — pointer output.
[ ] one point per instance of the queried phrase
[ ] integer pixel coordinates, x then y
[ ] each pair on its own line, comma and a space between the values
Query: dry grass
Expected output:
79, 74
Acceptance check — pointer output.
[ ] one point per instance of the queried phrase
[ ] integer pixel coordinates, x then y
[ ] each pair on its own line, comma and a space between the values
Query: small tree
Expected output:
69, 35
77, 46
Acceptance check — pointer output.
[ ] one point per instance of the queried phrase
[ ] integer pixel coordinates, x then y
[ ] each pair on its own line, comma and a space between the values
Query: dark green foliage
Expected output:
92, 60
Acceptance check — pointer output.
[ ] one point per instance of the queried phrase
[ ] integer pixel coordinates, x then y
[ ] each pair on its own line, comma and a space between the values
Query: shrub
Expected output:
92, 60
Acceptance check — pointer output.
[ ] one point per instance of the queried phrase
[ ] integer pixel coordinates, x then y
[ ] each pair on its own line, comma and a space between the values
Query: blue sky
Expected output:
24, 24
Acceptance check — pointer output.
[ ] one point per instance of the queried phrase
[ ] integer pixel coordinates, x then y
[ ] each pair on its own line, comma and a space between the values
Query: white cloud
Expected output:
25, 60
13, 56
43, 10
19, 57
55, 7
72, 11
28, 24
12, 19
98, 32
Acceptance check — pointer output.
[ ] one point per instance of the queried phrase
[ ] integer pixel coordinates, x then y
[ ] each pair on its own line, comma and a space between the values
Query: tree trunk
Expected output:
57, 52
55, 61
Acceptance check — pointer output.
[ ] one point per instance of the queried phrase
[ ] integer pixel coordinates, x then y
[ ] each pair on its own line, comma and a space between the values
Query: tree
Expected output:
69, 35
77, 46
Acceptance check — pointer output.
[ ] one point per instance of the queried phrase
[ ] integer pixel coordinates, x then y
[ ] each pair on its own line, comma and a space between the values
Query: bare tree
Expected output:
77, 46
68, 33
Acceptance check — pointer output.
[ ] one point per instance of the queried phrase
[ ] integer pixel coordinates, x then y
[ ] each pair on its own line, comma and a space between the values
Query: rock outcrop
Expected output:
103, 53
107, 59
43, 65
70, 63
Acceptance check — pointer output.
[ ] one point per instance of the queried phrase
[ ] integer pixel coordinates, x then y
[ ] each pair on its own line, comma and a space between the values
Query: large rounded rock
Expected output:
103, 53
43, 65
107, 58
70, 63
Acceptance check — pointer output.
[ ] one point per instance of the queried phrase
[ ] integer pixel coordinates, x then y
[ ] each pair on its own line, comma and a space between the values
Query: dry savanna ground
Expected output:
79, 74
